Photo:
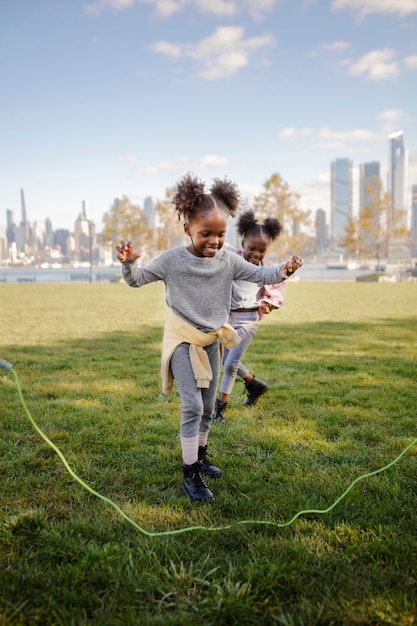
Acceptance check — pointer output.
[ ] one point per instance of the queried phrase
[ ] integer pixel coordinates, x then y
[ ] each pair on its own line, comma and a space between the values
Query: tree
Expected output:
279, 201
350, 239
169, 232
377, 229
125, 221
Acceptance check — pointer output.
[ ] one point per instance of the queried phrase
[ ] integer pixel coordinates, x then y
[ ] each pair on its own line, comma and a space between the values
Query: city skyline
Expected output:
106, 98
345, 206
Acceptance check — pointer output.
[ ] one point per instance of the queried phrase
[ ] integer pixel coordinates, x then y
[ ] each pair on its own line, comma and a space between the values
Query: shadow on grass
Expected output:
336, 390
341, 402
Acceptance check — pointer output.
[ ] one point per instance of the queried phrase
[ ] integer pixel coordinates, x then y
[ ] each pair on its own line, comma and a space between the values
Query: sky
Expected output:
109, 98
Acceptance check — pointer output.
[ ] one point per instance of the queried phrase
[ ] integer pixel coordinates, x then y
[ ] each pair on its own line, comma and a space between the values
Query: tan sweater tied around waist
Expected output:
178, 331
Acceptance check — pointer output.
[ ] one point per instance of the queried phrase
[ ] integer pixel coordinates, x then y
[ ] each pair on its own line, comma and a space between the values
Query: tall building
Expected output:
10, 226
397, 187
322, 235
397, 171
413, 228
369, 183
22, 232
340, 198
149, 212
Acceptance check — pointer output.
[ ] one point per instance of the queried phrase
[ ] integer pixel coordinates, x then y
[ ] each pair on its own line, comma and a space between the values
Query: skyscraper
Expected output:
321, 231
149, 212
413, 229
369, 181
340, 198
397, 171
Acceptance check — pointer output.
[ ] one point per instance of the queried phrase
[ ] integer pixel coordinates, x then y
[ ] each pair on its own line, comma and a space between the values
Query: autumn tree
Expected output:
279, 201
170, 231
378, 228
126, 221
349, 241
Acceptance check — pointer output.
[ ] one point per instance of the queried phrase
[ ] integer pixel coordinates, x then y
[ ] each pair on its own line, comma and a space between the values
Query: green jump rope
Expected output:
8, 367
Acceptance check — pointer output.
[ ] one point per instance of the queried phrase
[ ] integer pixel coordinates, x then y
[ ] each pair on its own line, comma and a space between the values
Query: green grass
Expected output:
340, 359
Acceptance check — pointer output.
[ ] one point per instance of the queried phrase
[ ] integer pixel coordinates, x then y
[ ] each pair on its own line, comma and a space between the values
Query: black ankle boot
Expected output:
219, 409
193, 485
255, 389
206, 467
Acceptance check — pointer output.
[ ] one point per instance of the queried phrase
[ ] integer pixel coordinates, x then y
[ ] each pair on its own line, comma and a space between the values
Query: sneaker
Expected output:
255, 389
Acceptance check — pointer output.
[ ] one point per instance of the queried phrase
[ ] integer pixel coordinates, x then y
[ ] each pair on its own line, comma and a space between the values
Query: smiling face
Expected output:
207, 232
255, 246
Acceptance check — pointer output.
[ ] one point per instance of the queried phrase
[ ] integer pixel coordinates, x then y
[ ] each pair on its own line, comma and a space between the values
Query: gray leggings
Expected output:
197, 404
245, 324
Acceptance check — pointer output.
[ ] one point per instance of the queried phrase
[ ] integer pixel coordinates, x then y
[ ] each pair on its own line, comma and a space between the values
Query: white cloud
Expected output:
182, 164
329, 137
290, 131
357, 134
219, 55
410, 62
217, 7
392, 119
96, 8
325, 138
165, 47
167, 8
384, 7
163, 167
334, 46
376, 65
211, 160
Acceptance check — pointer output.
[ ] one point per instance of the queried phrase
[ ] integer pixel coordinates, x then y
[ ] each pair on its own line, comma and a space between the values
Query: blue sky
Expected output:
103, 98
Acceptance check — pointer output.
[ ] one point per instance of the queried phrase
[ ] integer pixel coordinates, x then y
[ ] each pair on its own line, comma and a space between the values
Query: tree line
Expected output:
367, 236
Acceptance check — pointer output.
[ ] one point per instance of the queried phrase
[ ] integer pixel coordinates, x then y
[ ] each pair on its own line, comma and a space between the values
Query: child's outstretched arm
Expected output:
126, 252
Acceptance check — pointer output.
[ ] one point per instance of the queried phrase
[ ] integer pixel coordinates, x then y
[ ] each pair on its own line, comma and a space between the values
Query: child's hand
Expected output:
266, 307
126, 252
292, 266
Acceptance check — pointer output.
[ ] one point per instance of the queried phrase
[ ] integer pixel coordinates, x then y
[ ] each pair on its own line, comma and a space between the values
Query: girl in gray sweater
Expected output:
198, 282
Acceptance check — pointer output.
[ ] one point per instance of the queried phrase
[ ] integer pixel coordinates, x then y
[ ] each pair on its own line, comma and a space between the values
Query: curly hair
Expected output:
190, 198
248, 224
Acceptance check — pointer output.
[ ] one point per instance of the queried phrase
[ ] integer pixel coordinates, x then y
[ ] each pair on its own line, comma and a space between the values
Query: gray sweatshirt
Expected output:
198, 289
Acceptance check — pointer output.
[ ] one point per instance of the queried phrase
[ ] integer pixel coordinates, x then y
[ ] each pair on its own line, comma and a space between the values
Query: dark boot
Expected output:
193, 485
255, 389
207, 468
219, 409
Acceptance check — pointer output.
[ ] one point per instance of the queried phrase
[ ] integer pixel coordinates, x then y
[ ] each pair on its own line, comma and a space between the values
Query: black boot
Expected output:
255, 389
219, 409
193, 485
207, 468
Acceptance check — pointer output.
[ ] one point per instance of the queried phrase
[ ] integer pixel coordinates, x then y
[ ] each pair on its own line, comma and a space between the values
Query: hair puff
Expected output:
227, 193
247, 223
190, 198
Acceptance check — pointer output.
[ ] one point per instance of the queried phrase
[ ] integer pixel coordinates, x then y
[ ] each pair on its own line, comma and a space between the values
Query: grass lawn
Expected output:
340, 359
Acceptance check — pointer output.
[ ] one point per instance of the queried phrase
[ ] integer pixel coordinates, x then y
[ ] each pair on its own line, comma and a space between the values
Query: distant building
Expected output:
10, 226
413, 227
61, 240
149, 212
322, 231
340, 199
369, 182
397, 170
397, 187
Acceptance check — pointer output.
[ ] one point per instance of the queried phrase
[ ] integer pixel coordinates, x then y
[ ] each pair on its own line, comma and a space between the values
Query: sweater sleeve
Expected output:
136, 276
243, 270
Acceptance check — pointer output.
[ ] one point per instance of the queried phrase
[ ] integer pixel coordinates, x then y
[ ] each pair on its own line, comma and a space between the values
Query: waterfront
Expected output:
95, 274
